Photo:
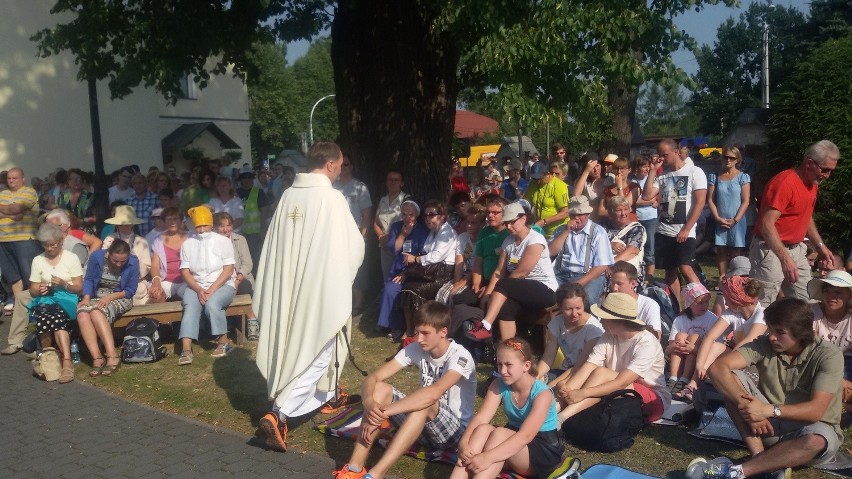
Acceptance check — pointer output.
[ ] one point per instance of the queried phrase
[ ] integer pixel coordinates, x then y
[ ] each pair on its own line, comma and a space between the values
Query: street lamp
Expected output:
311, 120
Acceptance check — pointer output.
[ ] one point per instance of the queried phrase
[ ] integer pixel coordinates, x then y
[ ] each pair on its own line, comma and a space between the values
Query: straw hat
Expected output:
619, 306
838, 278
124, 215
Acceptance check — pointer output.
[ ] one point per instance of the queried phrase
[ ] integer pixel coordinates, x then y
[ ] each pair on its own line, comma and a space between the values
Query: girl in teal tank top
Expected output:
529, 444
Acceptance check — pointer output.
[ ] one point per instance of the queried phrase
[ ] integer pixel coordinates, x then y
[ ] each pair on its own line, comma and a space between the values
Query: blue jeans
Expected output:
651, 229
594, 288
16, 259
214, 309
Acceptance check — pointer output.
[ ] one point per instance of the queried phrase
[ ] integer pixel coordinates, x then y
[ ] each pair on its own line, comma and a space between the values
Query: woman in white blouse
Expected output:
428, 270
523, 280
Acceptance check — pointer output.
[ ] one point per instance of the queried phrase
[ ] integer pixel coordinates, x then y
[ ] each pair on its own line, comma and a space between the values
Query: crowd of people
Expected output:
566, 244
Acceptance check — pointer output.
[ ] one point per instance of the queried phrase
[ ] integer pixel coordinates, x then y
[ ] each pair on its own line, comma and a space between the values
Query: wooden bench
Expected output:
172, 311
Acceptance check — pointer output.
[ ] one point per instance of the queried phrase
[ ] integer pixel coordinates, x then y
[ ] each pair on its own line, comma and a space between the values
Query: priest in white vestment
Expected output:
303, 293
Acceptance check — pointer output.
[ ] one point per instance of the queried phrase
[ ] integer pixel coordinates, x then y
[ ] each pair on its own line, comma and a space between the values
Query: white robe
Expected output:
303, 290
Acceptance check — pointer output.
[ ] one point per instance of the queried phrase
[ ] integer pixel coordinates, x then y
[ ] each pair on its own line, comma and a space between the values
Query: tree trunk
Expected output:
395, 80
622, 99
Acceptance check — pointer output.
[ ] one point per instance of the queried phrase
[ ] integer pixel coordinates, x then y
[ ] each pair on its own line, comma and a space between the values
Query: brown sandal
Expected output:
109, 369
67, 373
97, 370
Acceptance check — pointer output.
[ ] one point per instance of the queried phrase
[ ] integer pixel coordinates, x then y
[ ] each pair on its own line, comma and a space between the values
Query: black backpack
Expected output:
608, 426
142, 342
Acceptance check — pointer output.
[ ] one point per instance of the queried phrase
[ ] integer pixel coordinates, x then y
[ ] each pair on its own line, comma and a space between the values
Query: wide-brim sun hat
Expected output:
691, 292
838, 278
618, 306
124, 215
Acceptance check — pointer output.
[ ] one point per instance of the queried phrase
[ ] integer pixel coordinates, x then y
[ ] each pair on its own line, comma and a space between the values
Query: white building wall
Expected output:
44, 112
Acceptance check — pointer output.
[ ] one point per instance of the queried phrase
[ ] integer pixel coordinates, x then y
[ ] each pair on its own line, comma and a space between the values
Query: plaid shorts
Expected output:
443, 432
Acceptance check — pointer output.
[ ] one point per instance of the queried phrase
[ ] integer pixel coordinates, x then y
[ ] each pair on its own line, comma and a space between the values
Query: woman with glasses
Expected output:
728, 196
430, 267
524, 278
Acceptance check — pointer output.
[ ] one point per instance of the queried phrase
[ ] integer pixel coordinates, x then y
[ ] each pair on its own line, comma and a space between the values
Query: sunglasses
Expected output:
731, 158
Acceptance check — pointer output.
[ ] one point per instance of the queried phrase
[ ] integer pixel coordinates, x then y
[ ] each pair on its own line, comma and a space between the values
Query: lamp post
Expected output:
311, 119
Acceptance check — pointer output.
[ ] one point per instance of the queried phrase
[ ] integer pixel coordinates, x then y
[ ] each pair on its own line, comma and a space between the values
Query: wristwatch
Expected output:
776, 410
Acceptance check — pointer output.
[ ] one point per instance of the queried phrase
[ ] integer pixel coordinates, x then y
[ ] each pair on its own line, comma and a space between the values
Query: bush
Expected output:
816, 104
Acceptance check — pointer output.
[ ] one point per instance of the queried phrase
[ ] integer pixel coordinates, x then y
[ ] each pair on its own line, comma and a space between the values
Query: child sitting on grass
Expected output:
529, 444
574, 331
688, 330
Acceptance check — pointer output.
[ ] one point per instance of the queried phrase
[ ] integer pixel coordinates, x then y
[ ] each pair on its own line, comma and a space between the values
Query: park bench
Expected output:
171, 312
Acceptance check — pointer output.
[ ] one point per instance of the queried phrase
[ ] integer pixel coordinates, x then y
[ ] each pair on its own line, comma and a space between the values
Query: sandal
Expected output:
687, 392
67, 374
97, 370
109, 369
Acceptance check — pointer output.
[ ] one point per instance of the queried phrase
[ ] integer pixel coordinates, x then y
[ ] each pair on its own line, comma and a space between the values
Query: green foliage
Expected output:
817, 104
563, 56
729, 75
281, 96
662, 110
192, 153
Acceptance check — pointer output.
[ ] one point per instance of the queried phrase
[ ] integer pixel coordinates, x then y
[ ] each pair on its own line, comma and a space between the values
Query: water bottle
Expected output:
75, 352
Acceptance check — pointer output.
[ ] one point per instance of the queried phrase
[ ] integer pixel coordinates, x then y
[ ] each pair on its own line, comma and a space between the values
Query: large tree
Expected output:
662, 110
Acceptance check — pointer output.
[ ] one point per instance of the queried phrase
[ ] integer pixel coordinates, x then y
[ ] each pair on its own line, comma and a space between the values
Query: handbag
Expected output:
48, 366
417, 273
608, 426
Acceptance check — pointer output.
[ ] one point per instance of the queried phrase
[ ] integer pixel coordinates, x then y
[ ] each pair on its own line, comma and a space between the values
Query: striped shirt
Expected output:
25, 229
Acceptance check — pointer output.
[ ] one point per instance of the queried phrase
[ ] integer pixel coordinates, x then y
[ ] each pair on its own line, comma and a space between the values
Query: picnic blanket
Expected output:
609, 471
346, 424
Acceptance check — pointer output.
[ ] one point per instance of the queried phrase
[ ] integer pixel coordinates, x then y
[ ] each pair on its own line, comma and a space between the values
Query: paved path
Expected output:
76, 430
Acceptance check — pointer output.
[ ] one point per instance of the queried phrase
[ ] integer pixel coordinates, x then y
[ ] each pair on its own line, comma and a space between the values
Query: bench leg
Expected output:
241, 331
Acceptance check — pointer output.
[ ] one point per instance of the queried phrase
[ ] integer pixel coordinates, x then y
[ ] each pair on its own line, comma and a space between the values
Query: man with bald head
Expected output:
18, 224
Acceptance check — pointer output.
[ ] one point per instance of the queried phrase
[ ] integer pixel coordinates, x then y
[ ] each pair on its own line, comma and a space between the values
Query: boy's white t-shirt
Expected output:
649, 312
459, 397
571, 343
699, 325
739, 325
641, 354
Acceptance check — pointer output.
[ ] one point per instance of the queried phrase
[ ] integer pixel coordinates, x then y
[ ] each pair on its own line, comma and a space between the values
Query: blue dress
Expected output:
728, 198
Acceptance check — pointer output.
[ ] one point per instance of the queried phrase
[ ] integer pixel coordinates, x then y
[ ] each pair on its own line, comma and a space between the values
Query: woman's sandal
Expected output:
97, 370
109, 369
67, 373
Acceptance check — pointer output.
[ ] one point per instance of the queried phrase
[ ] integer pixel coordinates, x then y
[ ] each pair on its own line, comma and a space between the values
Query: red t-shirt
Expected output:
787, 193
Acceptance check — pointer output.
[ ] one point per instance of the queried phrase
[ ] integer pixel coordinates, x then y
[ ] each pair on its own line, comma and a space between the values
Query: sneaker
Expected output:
222, 350
185, 358
341, 401
11, 349
345, 473
478, 333
719, 468
252, 330
569, 469
670, 383
275, 431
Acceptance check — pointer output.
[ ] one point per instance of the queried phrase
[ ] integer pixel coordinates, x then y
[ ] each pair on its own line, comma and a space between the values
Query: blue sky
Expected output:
702, 26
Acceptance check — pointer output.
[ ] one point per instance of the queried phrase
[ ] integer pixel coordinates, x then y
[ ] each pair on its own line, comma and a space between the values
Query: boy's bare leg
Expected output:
405, 436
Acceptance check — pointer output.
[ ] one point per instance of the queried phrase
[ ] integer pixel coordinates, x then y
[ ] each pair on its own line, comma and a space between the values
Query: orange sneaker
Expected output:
345, 473
342, 400
275, 431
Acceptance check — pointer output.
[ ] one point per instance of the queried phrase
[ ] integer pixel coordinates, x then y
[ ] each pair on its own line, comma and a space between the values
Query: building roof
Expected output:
186, 133
472, 125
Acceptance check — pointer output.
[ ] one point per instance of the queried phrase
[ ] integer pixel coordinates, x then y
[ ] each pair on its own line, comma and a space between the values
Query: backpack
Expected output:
142, 342
608, 426
660, 293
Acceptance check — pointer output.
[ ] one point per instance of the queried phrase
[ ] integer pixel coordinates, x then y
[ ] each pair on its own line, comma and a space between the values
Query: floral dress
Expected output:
108, 284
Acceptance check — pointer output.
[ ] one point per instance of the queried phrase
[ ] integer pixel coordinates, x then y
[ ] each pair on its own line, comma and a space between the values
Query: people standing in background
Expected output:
728, 195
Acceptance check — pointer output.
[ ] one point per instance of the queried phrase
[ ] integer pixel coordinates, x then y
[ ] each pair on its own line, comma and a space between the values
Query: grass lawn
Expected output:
231, 393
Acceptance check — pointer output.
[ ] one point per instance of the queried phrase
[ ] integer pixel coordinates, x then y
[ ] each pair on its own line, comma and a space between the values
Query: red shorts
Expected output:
652, 403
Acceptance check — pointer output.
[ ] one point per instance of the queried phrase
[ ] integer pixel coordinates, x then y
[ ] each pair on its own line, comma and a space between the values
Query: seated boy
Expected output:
436, 414
791, 417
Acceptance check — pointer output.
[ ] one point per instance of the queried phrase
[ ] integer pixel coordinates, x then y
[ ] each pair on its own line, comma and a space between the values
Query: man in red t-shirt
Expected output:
778, 253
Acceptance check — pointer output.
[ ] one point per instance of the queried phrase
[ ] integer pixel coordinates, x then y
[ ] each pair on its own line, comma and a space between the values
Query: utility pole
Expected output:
765, 95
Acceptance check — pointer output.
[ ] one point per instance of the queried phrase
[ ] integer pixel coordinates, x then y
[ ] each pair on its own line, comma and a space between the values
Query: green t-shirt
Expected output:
819, 367
488, 248
547, 200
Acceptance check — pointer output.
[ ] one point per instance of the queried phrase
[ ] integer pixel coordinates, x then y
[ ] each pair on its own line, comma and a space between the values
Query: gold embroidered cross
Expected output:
295, 215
